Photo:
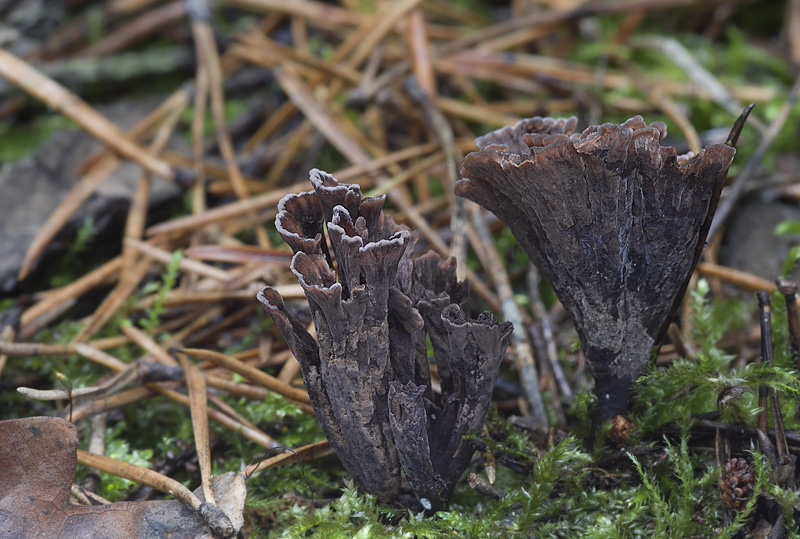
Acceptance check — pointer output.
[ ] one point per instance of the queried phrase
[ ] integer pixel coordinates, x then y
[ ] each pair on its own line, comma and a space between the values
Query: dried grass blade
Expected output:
58, 218
742, 279
227, 409
7, 334
98, 356
23, 349
420, 52
307, 9
102, 165
301, 96
150, 23
140, 475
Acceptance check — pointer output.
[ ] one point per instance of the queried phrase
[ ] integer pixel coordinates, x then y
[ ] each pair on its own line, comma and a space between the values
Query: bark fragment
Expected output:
368, 373
613, 220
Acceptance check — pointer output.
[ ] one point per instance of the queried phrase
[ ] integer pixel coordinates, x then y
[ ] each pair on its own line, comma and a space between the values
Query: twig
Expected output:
7, 334
420, 52
225, 211
766, 355
677, 53
251, 373
739, 278
186, 264
308, 9
443, 132
122, 67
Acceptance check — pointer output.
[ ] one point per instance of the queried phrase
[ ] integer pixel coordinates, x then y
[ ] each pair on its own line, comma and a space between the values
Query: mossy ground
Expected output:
662, 483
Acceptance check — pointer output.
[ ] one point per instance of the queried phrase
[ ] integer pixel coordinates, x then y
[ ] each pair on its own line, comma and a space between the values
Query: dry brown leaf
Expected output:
37, 466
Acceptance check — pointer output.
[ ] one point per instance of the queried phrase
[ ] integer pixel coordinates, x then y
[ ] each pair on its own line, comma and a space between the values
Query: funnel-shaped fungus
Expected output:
615, 223
368, 374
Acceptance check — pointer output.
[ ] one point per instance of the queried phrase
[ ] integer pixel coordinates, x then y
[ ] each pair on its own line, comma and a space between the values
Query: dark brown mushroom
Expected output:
613, 220
368, 374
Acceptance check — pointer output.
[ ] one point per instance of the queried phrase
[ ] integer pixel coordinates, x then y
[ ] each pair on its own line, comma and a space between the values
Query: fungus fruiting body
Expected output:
368, 374
613, 220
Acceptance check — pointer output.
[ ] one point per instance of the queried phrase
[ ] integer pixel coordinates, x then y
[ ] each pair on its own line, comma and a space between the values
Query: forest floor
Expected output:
138, 225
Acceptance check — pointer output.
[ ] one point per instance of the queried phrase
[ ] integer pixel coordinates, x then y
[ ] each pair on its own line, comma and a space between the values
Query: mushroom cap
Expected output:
613, 220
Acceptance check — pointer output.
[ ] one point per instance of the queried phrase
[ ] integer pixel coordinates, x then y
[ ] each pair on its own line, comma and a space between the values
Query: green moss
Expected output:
168, 281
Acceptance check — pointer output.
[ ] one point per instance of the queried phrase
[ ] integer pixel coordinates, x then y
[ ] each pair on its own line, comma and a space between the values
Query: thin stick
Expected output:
254, 435
226, 211
315, 11
147, 24
229, 410
205, 318
118, 400
7, 334
543, 319
137, 213
443, 132
24, 349
198, 150
766, 355
744, 280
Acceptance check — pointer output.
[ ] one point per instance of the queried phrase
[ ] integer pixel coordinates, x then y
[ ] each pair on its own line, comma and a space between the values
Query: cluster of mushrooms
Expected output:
614, 221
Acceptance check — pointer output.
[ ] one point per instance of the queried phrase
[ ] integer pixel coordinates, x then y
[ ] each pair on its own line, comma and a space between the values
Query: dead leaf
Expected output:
37, 468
